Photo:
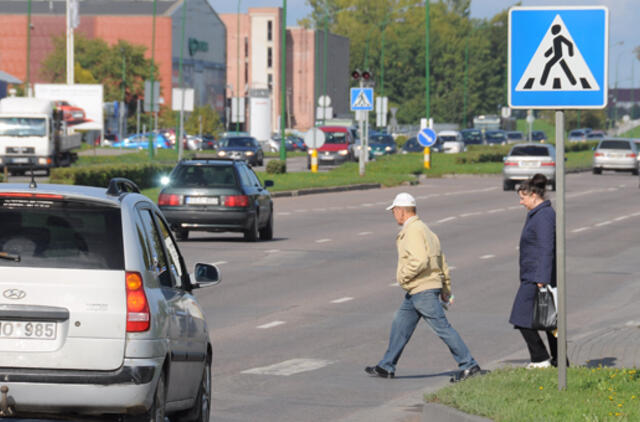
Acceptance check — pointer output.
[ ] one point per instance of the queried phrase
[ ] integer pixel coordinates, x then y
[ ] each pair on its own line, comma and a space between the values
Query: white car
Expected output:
451, 141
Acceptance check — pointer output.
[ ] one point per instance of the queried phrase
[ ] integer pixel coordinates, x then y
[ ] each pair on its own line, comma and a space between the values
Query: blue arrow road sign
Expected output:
427, 137
558, 57
361, 99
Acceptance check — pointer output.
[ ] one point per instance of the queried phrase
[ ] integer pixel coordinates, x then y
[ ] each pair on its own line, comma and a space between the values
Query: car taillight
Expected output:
29, 195
598, 154
169, 199
511, 163
138, 315
632, 155
236, 201
548, 164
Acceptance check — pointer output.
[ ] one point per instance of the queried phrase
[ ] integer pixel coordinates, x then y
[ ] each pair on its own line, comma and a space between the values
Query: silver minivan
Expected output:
97, 315
525, 160
616, 154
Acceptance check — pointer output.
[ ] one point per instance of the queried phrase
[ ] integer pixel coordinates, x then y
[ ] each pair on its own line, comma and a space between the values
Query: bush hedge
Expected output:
276, 167
145, 175
495, 154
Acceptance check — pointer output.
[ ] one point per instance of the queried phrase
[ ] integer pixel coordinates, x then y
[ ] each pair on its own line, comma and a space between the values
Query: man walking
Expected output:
424, 274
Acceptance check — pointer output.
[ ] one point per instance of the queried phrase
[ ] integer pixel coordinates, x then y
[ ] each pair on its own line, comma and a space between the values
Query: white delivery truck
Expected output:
31, 136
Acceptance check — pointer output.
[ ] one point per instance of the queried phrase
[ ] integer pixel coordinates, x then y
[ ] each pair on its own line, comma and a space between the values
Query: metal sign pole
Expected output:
361, 122
560, 253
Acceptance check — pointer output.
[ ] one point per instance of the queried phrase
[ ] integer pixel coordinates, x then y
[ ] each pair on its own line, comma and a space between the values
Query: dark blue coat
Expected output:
537, 261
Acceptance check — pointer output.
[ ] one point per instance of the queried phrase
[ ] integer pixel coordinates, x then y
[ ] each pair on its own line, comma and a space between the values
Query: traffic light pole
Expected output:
362, 155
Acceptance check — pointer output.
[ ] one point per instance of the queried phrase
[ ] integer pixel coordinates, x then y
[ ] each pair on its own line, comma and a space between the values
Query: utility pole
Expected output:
152, 100
181, 77
283, 81
27, 91
238, 72
426, 55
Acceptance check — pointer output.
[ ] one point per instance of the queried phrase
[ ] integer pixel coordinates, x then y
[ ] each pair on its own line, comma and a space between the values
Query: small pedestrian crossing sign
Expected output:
558, 57
361, 99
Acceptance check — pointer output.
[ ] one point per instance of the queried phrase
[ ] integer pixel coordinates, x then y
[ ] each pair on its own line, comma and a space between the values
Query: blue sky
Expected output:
624, 18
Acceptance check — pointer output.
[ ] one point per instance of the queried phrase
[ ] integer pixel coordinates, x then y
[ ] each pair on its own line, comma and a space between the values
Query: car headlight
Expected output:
388, 149
248, 153
343, 152
310, 151
222, 154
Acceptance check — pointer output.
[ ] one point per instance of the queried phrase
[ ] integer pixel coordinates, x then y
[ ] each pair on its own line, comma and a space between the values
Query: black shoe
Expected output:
467, 373
554, 362
381, 372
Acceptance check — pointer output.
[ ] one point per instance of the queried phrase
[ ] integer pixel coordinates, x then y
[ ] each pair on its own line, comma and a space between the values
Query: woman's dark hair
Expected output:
536, 184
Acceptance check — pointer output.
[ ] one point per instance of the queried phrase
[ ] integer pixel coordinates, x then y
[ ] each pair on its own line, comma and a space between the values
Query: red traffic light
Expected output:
366, 75
355, 74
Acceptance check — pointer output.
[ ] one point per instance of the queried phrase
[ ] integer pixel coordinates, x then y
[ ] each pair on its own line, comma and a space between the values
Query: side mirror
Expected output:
268, 183
205, 275
504, 159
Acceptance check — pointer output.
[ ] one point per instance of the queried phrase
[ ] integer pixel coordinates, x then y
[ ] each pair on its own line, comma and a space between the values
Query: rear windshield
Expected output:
514, 135
615, 145
536, 136
203, 176
236, 142
495, 135
530, 150
448, 138
335, 138
382, 139
60, 234
472, 136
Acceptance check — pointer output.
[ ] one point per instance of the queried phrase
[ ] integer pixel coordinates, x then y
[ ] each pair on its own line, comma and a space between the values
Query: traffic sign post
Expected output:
427, 137
362, 102
314, 139
558, 59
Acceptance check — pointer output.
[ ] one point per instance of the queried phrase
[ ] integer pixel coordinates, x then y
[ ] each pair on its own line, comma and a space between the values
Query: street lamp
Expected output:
426, 58
237, 71
283, 81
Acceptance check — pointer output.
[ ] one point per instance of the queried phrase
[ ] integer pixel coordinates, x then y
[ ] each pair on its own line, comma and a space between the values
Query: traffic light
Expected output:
355, 75
366, 75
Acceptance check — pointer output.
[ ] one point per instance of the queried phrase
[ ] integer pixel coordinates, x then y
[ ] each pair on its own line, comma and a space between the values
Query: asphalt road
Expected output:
296, 319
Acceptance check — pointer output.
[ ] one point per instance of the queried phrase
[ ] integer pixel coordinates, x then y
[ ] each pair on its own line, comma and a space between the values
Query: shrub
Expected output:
276, 167
145, 175
401, 140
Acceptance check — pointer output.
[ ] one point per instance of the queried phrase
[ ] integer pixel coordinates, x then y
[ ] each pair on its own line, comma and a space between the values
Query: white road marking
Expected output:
270, 325
496, 210
351, 207
364, 233
469, 214
635, 214
290, 367
489, 256
444, 220
368, 205
342, 300
323, 240
604, 223
394, 284
219, 263
272, 251
283, 213
515, 207
581, 229
321, 209
300, 211
624, 217
452, 267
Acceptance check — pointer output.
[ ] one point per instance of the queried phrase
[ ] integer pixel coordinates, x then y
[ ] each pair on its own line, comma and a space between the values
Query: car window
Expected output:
530, 150
253, 178
236, 142
447, 138
472, 136
613, 144
173, 257
158, 259
60, 234
514, 135
244, 176
495, 135
203, 176
335, 138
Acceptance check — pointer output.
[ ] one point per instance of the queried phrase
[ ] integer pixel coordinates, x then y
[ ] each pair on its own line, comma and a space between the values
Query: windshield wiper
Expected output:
10, 256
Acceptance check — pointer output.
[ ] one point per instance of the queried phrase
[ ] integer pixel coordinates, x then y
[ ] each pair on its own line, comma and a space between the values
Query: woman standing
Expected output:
537, 268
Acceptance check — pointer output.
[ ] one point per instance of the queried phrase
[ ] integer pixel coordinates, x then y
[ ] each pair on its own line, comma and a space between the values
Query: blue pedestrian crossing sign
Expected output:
361, 99
427, 137
558, 57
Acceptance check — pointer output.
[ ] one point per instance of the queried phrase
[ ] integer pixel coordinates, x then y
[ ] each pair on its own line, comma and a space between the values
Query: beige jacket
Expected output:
421, 262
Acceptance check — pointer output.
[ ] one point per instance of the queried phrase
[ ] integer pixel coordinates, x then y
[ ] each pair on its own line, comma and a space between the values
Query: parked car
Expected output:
241, 148
192, 143
595, 135
451, 141
412, 145
209, 142
217, 195
515, 136
109, 139
339, 146
295, 143
495, 137
471, 136
382, 144
579, 135
70, 113
539, 136
98, 311
616, 154
141, 141
525, 160
356, 148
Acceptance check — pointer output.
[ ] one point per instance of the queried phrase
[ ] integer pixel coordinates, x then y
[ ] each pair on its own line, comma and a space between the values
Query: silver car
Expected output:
525, 160
616, 154
97, 315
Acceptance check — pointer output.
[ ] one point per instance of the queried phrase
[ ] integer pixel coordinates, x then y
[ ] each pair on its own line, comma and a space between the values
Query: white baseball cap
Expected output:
403, 200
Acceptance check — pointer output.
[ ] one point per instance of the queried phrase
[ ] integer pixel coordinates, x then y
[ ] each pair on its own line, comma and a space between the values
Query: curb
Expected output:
311, 191
435, 412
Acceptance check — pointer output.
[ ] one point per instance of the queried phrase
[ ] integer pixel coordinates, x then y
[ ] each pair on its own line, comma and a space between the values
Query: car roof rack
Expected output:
119, 185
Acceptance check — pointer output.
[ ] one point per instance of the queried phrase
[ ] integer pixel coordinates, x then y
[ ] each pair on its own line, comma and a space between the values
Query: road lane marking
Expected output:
604, 223
489, 256
270, 325
635, 214
323, 240
300, 210
452, 267
469, 214
283, 213
342, 300
514, 207
321, 209
624, 217
396, 284
272, 251
364, 233
444, 220
496, 210
290, 367
218, 263
581, 229
368, 204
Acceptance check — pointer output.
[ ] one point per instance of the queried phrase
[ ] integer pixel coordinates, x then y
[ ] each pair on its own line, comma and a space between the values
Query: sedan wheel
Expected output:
156, 413
202, 405
251, 234
266, 233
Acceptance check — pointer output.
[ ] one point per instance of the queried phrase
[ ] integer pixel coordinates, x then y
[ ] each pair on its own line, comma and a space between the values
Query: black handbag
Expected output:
545, 314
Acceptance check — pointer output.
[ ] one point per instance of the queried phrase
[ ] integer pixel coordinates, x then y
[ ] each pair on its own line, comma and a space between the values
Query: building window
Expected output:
270, 82
246, 46
269, 30
269, 58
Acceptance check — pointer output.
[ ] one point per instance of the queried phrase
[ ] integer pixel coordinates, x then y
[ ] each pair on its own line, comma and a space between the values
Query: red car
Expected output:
70, 113
338, 146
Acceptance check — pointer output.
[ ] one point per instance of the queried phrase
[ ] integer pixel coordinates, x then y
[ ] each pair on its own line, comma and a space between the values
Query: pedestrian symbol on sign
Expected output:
362, 101
564, 68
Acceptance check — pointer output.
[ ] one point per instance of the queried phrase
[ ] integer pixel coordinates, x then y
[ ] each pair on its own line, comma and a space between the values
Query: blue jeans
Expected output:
425, 304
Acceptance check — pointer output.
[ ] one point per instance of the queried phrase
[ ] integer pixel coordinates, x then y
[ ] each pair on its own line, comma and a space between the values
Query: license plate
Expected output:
202, 200
20, 160
28, 330
615, 155
530, 164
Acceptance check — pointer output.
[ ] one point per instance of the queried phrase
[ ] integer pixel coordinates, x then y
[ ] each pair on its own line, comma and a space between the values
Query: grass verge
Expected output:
521, 395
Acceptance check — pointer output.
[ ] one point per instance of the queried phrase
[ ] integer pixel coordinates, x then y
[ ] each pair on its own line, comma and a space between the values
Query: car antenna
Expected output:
33, 184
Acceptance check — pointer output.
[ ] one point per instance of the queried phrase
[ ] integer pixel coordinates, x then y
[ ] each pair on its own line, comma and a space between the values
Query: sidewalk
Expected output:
615, 347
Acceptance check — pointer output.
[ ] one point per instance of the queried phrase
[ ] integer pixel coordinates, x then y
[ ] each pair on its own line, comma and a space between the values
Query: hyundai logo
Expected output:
14, 294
